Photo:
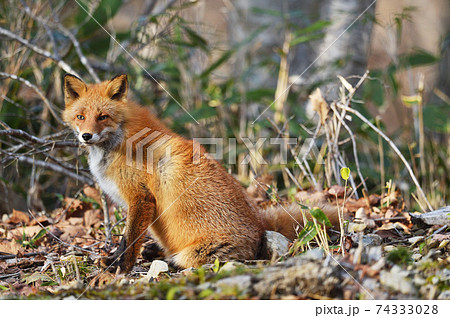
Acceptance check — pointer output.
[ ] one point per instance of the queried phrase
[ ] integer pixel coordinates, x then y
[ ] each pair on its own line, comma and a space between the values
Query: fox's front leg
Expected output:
140, 213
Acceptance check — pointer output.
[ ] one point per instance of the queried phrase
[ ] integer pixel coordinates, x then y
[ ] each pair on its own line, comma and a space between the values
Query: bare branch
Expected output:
36, 140
51, 166
72, 38
66, 67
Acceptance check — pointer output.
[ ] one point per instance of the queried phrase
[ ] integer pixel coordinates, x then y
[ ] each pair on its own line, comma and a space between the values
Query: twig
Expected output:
300, 164
352, 137
393, 146
66, 67
37, 90
11, 256
72, 38
54, 167
58, 239
36, 140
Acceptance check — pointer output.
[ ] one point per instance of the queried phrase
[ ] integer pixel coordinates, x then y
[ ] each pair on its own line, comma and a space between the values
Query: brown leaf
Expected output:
18, 217
92, 217
41, 219
10, 247
76, 208
29, 231
336, 190
92, 193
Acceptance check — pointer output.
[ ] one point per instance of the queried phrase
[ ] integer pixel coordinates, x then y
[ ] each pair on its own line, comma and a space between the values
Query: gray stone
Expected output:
274, 244
369, 240
397, 279
241, 282
230, 266
445, 295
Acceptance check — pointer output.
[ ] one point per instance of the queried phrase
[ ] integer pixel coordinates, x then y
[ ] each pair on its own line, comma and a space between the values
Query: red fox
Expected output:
196, 211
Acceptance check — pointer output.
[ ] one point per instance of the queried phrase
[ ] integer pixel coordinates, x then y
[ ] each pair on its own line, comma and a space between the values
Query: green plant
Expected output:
399, 256
27, 242
315, 229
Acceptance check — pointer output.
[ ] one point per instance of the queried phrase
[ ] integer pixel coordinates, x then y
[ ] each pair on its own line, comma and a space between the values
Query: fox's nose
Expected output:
86, 136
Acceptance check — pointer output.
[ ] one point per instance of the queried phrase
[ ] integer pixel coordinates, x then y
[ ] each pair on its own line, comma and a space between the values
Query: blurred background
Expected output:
241, 69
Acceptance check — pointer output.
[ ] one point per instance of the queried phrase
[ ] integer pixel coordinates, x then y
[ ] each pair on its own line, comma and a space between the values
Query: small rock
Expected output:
416, 256
156, 268
72, 297
415, 239
275, 244
445, 295
313, 254
208, 266
370, 283
230, 266
374, 254
397, 279
432, 255
379, 264
371, 240
389, 248
206, 285
356, 227
419, 281
241, 282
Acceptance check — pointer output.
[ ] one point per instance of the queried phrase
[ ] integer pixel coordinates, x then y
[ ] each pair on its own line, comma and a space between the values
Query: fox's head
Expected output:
96, 112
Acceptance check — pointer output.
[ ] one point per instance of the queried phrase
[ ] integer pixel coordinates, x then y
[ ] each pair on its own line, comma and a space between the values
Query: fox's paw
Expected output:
110, 263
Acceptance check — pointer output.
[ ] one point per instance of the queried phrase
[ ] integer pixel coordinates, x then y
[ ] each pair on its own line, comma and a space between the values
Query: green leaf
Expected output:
105, 11
373, 88
3, 287
345, 173
171, 292
436, 118
203, 112
418, 58
216, 265
225, 56
320, 216
205, 293
307, 234
37, 276
196, 39
316, 26
39, 235
306, 38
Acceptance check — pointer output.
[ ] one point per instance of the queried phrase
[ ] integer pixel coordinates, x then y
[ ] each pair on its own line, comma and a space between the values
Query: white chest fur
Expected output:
98, 163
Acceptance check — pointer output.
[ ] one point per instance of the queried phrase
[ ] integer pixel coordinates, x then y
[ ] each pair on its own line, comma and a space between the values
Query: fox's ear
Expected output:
117, 88
73, 88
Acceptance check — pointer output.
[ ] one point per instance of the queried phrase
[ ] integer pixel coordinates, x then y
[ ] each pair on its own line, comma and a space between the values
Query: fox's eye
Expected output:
80, 117
103, 117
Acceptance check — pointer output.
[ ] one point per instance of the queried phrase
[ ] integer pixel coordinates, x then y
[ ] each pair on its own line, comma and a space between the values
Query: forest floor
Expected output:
388, 254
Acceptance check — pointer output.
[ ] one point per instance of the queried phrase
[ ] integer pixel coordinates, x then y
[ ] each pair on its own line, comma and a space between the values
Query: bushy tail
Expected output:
286, 219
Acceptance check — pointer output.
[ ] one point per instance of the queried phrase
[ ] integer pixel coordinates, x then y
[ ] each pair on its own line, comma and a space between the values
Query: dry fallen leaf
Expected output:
18, 217
319, 105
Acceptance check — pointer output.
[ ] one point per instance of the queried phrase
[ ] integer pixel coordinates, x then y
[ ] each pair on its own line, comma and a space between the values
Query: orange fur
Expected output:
197, 212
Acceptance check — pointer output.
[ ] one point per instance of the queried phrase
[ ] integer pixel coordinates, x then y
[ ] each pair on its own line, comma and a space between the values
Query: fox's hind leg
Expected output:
196, 255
